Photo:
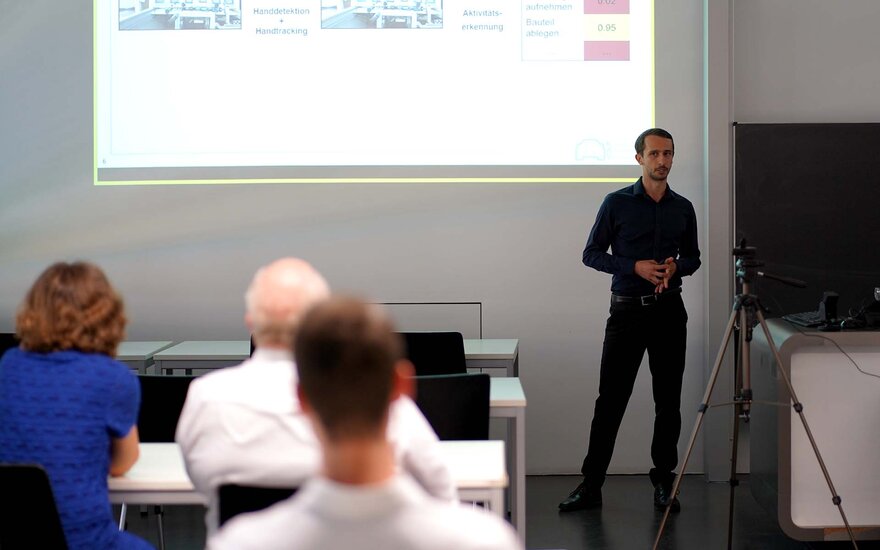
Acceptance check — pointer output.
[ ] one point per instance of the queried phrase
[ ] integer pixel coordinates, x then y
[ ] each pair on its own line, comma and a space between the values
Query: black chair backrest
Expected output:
456, 405
162, 399
28, 515
7, 340
435, 352
241, 499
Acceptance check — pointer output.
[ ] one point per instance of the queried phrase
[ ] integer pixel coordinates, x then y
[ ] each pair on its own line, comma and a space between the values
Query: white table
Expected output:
839, 397
495, 356
478, 470
506, 396
159, 476
507, 400
842, 407
492, 355
139, 355
202, 354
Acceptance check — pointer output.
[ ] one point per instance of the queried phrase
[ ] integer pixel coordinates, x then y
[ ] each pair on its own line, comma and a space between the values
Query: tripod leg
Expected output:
741, 406
733, 481
704, 405
799, 408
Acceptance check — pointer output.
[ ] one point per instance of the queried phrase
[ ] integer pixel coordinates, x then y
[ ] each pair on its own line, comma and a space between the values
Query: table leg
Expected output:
122, 517
496, 502
516, 464
518, 475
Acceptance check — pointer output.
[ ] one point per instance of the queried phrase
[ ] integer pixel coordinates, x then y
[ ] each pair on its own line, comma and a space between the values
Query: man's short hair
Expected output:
71, 306
346, 351
660, 132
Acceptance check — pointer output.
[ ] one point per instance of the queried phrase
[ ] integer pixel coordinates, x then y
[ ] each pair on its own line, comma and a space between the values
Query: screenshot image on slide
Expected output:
166, 15
250, 91
382, 14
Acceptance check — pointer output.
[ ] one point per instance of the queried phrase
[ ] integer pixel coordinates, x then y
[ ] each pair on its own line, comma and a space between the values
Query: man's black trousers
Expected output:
632, 328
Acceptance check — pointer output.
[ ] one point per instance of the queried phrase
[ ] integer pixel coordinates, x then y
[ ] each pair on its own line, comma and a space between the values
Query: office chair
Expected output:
8, 340
435, 352
456, 405
28, 515
241, 499
162, 398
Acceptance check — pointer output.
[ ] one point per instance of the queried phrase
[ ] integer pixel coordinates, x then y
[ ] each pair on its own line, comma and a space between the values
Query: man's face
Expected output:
656, 159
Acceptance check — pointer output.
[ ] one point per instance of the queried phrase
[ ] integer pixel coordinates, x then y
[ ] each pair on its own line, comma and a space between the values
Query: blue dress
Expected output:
61, 410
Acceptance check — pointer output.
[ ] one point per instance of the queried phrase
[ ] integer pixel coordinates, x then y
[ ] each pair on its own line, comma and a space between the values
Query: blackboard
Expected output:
808, 197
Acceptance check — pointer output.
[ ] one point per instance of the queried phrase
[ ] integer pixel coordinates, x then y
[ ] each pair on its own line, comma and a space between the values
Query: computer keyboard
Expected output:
805, 319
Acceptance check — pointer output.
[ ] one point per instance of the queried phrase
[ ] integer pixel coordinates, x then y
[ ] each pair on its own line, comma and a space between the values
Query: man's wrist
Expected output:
628, 266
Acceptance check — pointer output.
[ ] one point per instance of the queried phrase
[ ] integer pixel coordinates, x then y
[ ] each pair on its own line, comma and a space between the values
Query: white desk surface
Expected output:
195, 350
476, 464
506, 392
503, 392
160, 469
140, 351
491, 348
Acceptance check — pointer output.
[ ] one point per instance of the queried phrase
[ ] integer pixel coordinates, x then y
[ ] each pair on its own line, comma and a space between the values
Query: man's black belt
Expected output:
648, 300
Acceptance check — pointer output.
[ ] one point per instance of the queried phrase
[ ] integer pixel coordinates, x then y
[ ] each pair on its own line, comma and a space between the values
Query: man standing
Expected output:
351, 370
652, 233
244, 424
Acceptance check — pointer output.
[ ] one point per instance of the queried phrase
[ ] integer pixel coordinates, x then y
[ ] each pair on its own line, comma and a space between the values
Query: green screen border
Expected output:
96, 182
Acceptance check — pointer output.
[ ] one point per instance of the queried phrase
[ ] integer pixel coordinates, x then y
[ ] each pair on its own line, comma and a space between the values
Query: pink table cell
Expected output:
606, 51
606, 6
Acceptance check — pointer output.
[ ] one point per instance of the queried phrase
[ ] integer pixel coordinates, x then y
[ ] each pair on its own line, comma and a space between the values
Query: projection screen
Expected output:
249, 91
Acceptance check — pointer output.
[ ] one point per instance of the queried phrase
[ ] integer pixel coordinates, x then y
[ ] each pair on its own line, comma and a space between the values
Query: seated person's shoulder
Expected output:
473, 527
102, 369
218, 384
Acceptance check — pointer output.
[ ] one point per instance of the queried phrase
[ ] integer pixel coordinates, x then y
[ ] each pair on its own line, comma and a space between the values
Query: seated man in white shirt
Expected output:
351, 371
244, 425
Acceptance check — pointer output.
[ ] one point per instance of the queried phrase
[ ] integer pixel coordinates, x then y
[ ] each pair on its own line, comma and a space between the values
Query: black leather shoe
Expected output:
582, 498
661, 498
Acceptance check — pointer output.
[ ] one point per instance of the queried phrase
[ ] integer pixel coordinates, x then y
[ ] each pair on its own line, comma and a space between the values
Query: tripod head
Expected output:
745, 264
747, 267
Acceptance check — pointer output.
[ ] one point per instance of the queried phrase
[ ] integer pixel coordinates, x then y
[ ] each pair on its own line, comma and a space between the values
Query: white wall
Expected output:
182, 256
806, 61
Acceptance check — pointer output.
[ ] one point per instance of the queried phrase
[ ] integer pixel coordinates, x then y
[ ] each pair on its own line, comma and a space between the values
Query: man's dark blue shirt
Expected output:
637, 228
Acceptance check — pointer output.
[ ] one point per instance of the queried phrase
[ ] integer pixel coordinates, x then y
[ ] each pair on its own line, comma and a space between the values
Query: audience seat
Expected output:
435, 352
241, 499
28, 515
456, 405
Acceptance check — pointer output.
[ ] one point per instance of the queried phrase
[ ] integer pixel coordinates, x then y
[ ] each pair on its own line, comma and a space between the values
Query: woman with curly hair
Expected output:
66, 404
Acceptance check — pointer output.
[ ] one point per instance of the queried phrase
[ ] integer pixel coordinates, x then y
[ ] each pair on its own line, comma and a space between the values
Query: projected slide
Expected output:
369, 90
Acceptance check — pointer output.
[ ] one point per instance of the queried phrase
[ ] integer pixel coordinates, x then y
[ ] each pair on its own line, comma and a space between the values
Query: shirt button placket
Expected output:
657, 220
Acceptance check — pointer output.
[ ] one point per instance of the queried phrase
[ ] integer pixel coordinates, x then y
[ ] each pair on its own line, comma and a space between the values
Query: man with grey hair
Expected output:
244, 424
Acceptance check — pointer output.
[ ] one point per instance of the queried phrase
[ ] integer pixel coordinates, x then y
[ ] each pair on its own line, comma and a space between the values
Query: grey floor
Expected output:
626, 520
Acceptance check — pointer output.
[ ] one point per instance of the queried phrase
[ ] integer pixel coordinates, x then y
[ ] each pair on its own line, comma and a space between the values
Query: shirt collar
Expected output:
332, 499
271, 355
639, 189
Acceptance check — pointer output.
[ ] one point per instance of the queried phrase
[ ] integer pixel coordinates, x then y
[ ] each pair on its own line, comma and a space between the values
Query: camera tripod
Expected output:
747, 313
